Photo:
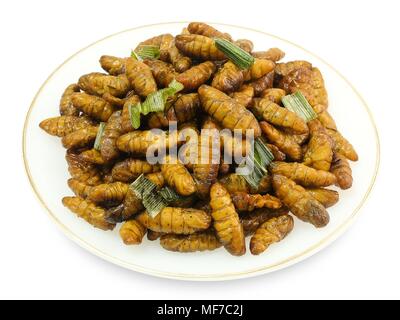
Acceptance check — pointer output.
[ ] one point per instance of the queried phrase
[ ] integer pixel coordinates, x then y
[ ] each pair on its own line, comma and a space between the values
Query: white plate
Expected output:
47, 171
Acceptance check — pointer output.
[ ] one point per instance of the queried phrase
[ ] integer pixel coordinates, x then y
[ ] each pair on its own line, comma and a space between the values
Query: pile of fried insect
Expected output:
201, 78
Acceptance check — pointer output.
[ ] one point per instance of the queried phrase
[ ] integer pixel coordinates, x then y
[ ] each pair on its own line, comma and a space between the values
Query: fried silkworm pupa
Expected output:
129, 169
178, 60
153, 236
229, 78
140, 77
132, 232
81, 170
163, 42
176, 220
341, 169
138, 142
278, 116
302, 174
97, 83
227, 225
80, 189
198, 47
271, 231
263, 83
88, 211
245, 44
258, 69
326, 197
319, 151
108, 194
66, 106
249, 202
185, 108
252, 220
204, 29
273, 94
163, 72
201, 241
237, 183
278, 154
126, 123
282, 140
112, 131
63, 125
196, 76
302, 204
113, 65
93, 106
177, 176
273, 54
324, 117
80, 138
283, 69
92, 156
243, 96
342, 146
228, 112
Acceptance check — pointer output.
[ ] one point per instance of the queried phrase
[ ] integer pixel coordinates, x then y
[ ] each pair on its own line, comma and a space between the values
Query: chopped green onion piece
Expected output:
147, 52
176, 85
135, 56
100, 131
154, 102
142, 186
298, 104
153, 203
237, 55
169, 194
134, 114
263, 153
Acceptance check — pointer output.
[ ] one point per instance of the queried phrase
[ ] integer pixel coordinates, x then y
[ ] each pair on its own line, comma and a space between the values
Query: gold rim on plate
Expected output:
210, 277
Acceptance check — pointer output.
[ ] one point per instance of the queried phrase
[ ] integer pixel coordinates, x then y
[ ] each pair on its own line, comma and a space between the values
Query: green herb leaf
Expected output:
134, 114
153, 203
169, 194
298, 104
147, 52
237, 55
142, 186
100, 132
135, 56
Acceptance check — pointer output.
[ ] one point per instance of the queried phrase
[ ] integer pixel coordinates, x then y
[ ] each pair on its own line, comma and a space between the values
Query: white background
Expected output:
359, 38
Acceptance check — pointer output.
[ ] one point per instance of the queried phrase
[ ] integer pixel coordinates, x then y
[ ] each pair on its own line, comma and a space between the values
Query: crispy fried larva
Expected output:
341, 169
117, 102
228, 112
207, 30
79, 188
138, 142
80, 138
278, 154
88, 211
112, 131
271, 231
300, 202
152, 235
66, 106
226, 221
163, 42
81, 170
132, 232
324, 117
201, 241
163, 72
129, 169
326, 197
186, 107
243, 96
234, 183
63, 125
229, 78
252, 220
176, 220
258, 69
126, 124
178, 60
304, 175
93, 106
273, 54
245, 44
177, 176
263, 83
113, 65
108, 194
157, 178
278, 116
342, 146
283, 69
273, 94
282, 140
196, 76
199, 47
99, 83
249, 202
140, 77
92, 156
319, 149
